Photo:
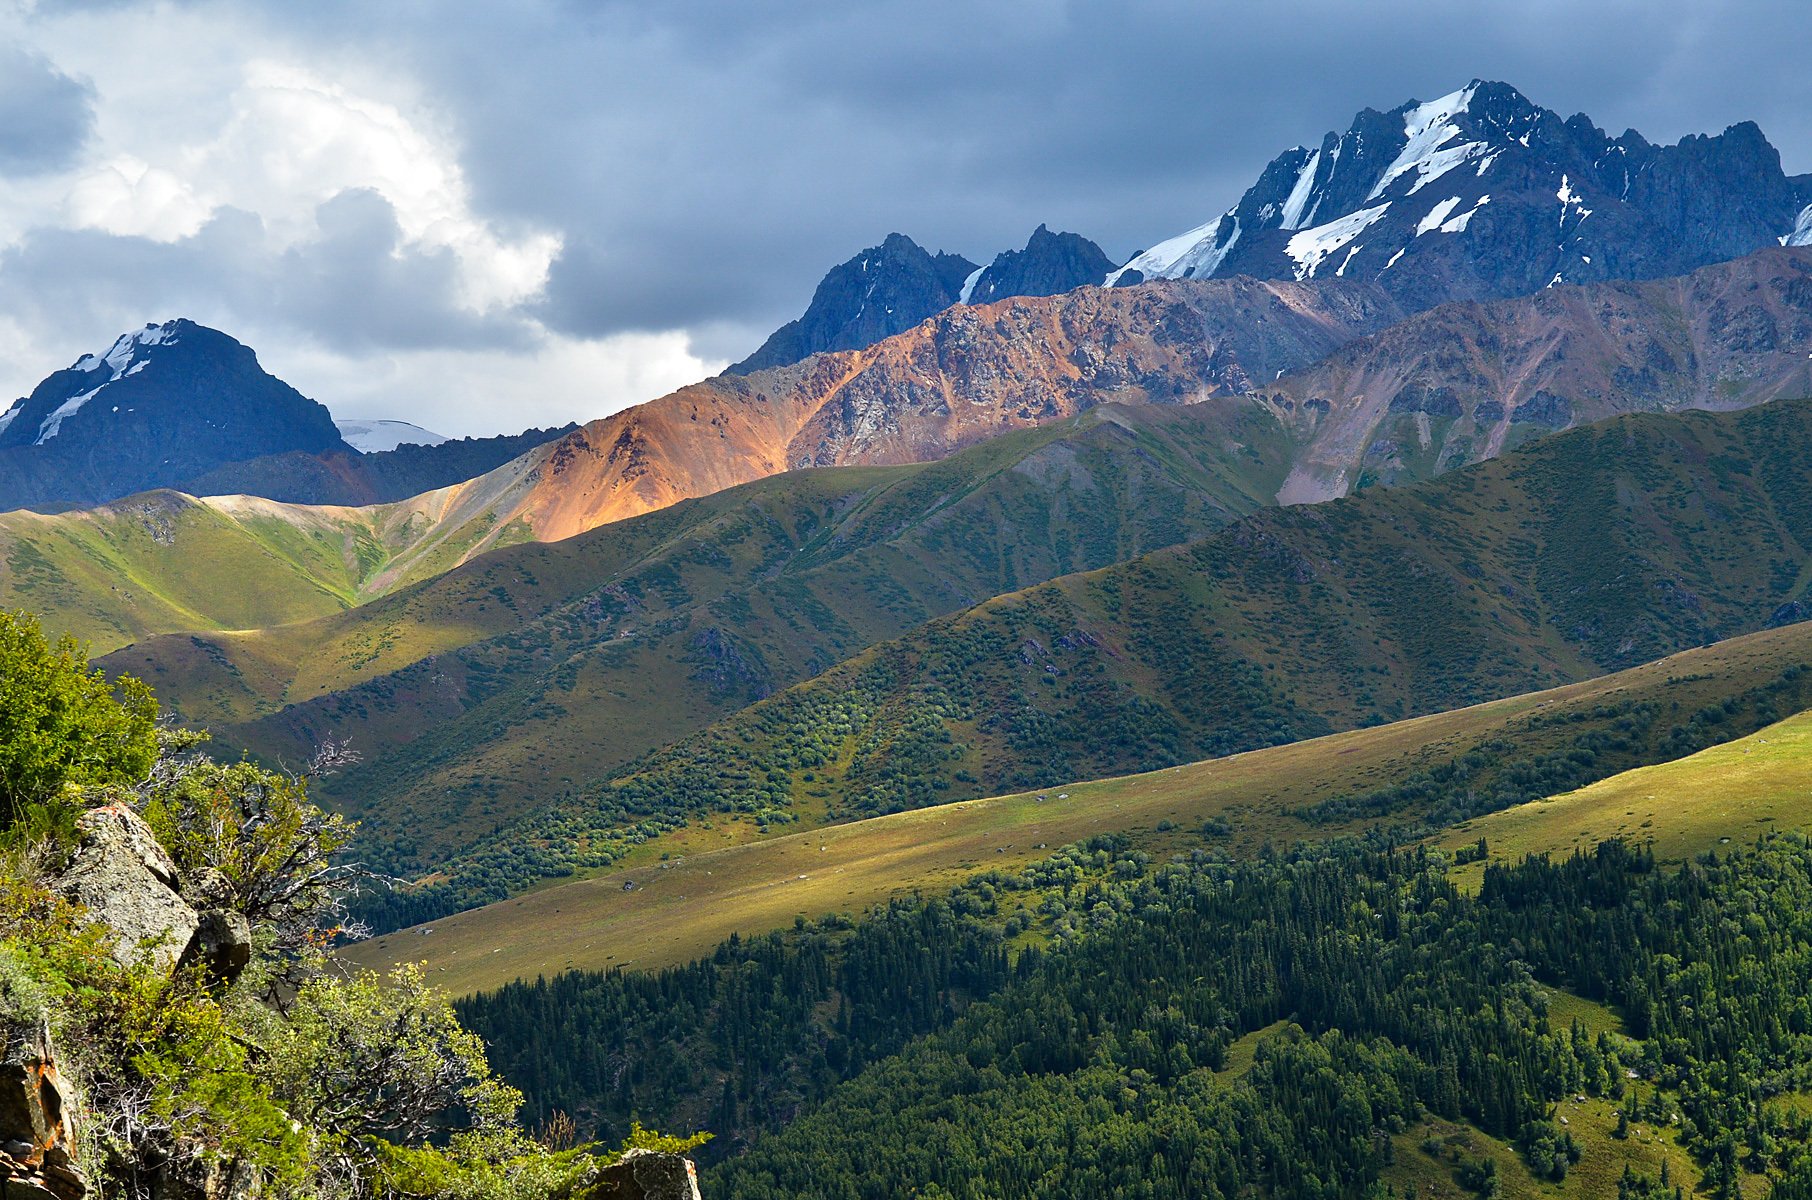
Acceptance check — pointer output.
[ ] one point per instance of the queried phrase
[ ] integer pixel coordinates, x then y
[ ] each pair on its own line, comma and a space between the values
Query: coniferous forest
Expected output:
1090, 1059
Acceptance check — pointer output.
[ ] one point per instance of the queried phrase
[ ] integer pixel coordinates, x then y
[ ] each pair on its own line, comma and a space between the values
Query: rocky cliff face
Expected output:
1467, 381
38, 1125
884, 290
965, 375
163, 404
1483, 194
1050, 263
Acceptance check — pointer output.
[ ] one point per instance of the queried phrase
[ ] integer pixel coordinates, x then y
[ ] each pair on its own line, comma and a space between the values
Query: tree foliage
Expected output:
62, 723
350, 1088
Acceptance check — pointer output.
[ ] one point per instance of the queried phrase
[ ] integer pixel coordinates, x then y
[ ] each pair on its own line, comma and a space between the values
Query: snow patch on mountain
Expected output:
11, 414
1311, 247
125, 349
1458, 224
122, 359
1801, 235
1299, 195
1439, 213
1192, 255
1439, 219
1570, 199
968, 290
376, 436
1429, 128
54, 422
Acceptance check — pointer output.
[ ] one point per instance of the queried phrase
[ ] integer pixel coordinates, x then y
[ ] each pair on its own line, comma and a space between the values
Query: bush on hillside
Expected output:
351, 1087
62, 724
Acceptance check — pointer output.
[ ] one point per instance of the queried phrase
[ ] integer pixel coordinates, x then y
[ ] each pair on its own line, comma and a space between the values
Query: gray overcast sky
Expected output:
483, 216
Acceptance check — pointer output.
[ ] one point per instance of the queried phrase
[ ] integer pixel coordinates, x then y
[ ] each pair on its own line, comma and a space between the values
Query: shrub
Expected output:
62, 724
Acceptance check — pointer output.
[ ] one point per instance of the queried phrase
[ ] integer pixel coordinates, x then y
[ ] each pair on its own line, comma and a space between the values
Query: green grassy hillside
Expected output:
163, 561
693, 888
1727, 794
486, 691
1590, 551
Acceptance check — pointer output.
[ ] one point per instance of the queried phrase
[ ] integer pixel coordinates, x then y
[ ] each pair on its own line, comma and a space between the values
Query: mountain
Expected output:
1049, 264
1586, 552
887, 289
353, 477
971, 372
164, 403
369, 437
1483, 194
530, 669
186, 407
1446, 387
884, 290
1466, 381
956, 379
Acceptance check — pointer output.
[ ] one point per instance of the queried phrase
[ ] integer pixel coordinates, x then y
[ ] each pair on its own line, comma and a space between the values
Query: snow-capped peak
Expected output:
1802, 229
372, 437
122, 359
125, 348
1429, 151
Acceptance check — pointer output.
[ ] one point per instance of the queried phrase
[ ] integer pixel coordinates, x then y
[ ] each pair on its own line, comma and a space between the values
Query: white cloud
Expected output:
317, 210
289, 140
297, 139
477, 392
130, 197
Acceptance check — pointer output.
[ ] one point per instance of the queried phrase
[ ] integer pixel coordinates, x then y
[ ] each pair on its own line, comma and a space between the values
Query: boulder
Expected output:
222, 944
647, 1175
125, 879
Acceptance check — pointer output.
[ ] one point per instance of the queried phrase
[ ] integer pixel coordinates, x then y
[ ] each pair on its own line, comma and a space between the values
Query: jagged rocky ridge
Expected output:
1479, 194
888, 289
1483, 193
1468, 381
1050, 263
884, 290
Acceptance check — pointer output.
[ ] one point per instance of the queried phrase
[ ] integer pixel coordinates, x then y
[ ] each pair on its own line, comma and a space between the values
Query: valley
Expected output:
1580, 554
673, 900
1319, 706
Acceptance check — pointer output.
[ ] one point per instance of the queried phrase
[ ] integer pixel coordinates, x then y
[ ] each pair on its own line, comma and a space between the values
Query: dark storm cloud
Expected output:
707, 161
45, 116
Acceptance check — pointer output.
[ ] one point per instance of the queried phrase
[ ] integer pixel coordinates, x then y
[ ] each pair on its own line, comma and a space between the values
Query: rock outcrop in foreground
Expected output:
126, 881
37, 1121
648, 1175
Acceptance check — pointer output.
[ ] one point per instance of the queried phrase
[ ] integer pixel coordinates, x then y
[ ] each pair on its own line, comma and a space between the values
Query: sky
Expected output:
480, 217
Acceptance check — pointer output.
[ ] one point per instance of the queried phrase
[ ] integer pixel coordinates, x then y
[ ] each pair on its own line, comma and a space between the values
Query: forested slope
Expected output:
1583, 553
1066, 1031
